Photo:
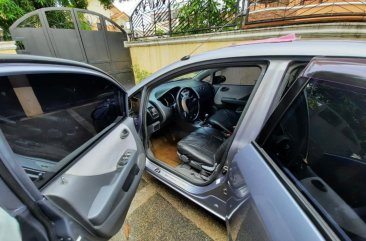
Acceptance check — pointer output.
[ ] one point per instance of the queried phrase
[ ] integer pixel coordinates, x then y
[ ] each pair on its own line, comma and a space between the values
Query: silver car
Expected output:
269, 137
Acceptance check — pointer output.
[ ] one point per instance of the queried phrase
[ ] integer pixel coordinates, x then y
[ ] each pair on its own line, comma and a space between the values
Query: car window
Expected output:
46, 117
247, 75
188, 76
292, 74
320, 142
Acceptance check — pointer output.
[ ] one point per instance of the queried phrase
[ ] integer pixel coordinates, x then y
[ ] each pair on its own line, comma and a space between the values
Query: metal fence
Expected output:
269, 12
179, 17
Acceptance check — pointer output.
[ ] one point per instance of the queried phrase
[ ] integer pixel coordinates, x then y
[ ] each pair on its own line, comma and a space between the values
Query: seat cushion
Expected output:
204, 146
225, 119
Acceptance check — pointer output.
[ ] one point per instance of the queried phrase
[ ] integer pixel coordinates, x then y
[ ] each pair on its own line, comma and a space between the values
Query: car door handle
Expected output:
233, 101
223, 89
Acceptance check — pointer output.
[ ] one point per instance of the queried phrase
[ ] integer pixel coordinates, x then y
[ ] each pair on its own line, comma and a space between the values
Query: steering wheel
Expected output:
188, 104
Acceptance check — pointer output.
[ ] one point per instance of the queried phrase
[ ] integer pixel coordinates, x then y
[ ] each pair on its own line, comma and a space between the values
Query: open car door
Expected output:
71, 159
305, 171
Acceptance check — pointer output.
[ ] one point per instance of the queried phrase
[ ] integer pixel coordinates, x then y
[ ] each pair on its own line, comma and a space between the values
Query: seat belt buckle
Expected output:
227, 134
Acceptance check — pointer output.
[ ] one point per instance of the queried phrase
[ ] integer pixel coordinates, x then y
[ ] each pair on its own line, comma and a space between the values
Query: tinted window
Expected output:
292, 74
321, 143
46, 117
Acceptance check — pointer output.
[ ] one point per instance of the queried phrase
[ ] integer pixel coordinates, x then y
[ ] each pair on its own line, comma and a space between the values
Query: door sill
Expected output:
204, 196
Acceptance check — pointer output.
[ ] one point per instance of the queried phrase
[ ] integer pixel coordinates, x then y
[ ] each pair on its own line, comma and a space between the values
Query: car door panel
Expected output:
232, 95
280, 213
15, 208
98, 188
19, 195
87, 189
272, 207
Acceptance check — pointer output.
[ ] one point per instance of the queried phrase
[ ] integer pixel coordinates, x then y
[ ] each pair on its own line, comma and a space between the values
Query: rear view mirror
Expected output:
218, 79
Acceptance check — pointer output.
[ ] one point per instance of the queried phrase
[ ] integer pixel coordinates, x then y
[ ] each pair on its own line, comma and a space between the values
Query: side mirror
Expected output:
218, 79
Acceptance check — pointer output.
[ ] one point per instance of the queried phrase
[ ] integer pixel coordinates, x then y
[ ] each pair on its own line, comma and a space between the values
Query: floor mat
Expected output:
165, 150
161, 225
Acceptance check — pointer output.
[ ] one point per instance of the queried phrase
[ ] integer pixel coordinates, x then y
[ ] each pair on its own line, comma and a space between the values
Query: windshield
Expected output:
187, 76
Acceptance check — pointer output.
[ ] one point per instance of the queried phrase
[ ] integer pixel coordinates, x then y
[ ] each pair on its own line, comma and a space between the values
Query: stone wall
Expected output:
7, 47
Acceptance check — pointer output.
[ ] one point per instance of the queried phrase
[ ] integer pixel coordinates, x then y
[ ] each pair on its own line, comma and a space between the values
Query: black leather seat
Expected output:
225, 119
203, 148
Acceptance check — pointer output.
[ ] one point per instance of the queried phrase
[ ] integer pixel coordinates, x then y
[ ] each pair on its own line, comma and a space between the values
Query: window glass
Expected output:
10, 106
239, 75
207, 79
89, 22
111, 27
46, 117
60, 19
186, 76
292, 74
31, 22
321, 142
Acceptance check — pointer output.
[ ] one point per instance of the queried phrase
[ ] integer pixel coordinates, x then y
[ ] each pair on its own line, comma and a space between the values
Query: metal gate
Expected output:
75, 34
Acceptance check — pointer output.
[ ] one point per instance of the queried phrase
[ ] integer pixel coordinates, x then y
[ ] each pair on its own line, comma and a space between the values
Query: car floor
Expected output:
159, 213
164, 149
163, 145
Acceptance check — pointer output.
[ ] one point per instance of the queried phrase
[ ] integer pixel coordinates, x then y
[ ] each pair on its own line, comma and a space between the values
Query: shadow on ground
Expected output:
159, 213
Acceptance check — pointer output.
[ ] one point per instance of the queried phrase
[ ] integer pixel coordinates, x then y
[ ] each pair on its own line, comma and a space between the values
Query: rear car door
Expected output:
305, 171
70, 155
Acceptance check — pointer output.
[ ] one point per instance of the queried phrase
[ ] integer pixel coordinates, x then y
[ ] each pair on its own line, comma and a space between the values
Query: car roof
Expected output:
297, 48
310, 48
35, 59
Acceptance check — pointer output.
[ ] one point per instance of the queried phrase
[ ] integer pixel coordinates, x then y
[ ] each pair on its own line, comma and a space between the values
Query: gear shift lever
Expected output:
205, 119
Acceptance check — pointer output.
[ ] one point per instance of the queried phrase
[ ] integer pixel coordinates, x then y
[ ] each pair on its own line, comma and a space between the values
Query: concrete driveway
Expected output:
159, 213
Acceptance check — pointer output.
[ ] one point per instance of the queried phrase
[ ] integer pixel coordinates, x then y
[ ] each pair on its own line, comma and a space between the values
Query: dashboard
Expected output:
162, 101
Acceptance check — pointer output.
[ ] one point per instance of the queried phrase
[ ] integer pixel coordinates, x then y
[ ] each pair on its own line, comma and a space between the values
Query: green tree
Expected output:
200, 16
11, 10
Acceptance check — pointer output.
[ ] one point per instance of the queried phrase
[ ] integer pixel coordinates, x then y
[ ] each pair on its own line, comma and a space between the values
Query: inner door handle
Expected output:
224, 89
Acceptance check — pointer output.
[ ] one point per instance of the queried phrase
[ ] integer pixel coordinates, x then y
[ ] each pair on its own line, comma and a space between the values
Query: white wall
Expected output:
94, 5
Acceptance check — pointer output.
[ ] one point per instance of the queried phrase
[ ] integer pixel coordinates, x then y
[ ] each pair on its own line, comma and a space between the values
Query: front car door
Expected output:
71, 159
305, 171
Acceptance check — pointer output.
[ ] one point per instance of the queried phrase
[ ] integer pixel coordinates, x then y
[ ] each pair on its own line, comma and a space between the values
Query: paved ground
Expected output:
159, 213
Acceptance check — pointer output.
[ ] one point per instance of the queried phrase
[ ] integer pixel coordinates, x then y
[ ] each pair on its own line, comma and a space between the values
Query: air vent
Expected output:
153, 112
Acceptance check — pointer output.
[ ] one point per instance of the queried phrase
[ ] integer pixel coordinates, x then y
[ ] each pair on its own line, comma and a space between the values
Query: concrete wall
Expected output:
7, 47
150, 55
113, 13
94, 5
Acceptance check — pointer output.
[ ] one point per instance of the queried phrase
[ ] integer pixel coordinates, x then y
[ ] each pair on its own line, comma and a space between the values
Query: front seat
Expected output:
225, 119
202, 149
